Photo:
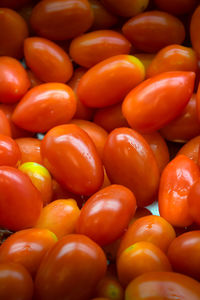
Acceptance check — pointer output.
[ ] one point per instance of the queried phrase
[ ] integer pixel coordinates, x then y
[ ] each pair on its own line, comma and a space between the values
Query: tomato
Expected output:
127, 157
109, 81
103, 18
86, 265
30, 150
40, 178
140, 258
145, 106
13, 32
95, 132
60, 217
27, 247
152, 229
198, 102
48, 61
110, 288
10, 154
20, 201
193, 201
14, 81
176, 180
127, 8
173, 58
91, 48
61, 19
14, 3
15, 282
145, 58
44, 107
163, 285
191, 149
72, 158
5, 128
111, 207
110, 117
177, 7
194, 28
151, 31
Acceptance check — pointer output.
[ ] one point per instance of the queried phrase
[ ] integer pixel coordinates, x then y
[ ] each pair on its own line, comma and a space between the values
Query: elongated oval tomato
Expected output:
80, 261
48, 61
126, 8
151, 31
10, 154
158, 100
61, 19
20, 201
72, 158
127, 157
101, 211
44, 107
90, 48
194, 29
109, 81
30, 150
176, 180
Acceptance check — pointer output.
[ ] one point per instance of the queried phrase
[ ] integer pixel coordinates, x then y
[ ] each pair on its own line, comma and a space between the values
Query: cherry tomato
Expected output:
30, 150
152, 229
111, 207
15, 282
163, 285
177, 7
60, 217
127, 157
86, 265
14, 3
127, 8
14, 81
176, 180
145, 106
48, 61
27, 247
110, 288
109, 81
194, 29
193, 201
140, 258
20, 201
44, 107
33, 79
10, 154
72, 158
61, 19
91, 48
145, 58
13, 32
5, 128
151, 31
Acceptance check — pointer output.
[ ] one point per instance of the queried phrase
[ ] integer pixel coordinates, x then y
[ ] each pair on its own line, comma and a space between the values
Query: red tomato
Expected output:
13, 32
30, 150
14, 3
110, 288
163, 285
72, 158
20, 201
127, 157
112, 207
48, 61
14, 81
10, 154
176, 180
109, 81
86, 265
193, 201
91, 48
194, 29
15, 282
27, 247
145, 106
177, 7
61, 19
44, 107
126, 8
5, 128
151, 31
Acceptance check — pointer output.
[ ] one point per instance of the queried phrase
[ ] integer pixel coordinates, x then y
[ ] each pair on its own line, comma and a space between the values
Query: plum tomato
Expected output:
126, 8
10, 154
30, 150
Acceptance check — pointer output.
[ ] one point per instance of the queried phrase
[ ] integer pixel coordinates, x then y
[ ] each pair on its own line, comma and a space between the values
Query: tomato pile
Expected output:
99, 121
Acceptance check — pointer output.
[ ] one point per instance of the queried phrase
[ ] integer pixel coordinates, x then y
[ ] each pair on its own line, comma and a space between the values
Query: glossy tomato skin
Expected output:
5, 128
72, 158
193, 201
27, 247
127, 157
61, 20
44, 107
109, 81
145, 106
176, 7
14, 80
176, 180
47, 60
20, 202
163, 285
112, 207
15, 282
30, 150
86, 265
91, 48
151, 31
127, 8
10, 154
194, 28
